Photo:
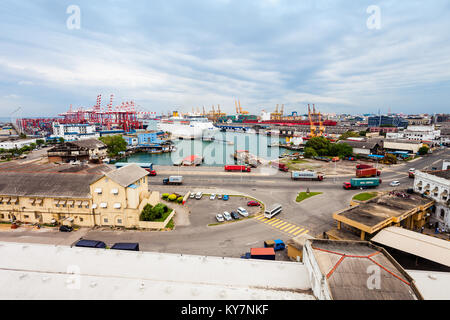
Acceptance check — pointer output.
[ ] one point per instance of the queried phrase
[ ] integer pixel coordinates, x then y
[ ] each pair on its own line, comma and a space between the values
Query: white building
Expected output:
422, 133
13, 144
436, 185
71, 132
265, 116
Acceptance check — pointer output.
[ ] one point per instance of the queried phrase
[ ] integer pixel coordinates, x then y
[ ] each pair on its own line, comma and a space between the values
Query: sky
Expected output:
178, 54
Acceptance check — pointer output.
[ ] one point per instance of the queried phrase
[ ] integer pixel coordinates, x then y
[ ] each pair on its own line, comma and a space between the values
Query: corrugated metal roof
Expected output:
127, 175
415, 243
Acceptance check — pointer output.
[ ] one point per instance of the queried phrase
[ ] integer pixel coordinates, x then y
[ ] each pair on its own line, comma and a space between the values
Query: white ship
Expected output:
191, 127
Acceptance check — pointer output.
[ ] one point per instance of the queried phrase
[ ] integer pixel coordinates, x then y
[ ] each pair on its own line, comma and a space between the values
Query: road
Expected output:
312, 216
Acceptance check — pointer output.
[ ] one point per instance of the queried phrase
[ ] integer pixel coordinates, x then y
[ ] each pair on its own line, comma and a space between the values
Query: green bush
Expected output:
172, 197
165, 195
423, 150
180, 199
150, 213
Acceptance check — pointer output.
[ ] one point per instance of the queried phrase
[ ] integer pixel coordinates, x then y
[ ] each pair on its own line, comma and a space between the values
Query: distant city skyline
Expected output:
344, 57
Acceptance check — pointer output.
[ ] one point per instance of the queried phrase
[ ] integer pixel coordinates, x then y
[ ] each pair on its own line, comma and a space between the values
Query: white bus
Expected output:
276, 209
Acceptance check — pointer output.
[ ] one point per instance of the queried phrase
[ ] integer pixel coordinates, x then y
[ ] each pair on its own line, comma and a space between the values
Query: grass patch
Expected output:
365, 196
170, 225
164, 216
303, 195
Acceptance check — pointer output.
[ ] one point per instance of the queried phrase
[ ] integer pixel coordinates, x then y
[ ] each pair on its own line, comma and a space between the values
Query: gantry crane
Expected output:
311, 124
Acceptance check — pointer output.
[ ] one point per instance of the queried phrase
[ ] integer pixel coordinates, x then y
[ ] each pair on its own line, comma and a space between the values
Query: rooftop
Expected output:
418, 244
440, 173
379, 212
88, 143
345, 265
127, 175
36, 271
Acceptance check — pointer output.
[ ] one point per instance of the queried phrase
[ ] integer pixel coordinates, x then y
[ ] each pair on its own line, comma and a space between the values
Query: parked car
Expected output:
225, 197
395, 183
227, 216
199, 195
129, 246
219, 217
253, 204
90, 244
65, 229
219, 196
242, 212
212, 196
235, 215
192, 196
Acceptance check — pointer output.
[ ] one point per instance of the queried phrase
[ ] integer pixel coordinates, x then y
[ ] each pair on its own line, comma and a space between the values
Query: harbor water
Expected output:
218, 152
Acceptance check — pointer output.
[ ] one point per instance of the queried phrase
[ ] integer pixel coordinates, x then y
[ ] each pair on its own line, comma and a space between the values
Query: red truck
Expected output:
238, 168
366, 173
363, 166
280, 166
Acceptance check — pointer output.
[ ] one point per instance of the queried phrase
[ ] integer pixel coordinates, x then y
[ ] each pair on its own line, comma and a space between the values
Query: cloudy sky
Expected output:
168, 54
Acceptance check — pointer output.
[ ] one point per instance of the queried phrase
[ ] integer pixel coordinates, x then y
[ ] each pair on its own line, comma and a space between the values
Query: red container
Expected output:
363, 166
237, 168
262, 253
369, 172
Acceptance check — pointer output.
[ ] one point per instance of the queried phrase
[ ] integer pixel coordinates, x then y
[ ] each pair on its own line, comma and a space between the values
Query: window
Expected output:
81, 219
105, 220
119, 221
442, 213
26, 217
2, 216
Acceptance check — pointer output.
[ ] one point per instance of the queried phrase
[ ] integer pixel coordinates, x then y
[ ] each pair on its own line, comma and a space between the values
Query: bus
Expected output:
276, 209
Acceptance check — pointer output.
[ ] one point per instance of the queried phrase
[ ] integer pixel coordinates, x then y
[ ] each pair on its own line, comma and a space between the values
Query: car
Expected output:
129, 246
395, 183
412, 170
242, 212
84, 243
199, 195
212, 196
234, 215
219, 196
225, 197
219, 217
65, 229
227, 216
192, 196
253, 204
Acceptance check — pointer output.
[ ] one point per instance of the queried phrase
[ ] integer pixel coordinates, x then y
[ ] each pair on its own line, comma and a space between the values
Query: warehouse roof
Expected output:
88, 143
346, 266
127, 175
368, 144
37, 271
440, 173
418, 244
56, 185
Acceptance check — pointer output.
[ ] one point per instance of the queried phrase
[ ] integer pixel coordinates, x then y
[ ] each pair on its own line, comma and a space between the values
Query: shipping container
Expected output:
306, 175
367, 173
238, 168
262, 253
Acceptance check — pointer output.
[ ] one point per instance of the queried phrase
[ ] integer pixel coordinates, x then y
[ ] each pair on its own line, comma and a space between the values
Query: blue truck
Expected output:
277, 244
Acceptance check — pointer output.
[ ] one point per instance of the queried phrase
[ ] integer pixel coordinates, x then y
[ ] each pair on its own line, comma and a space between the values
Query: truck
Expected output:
262, 253
240, 168
363, 183
280, 166
363, 166
306, 175
367, 173
173, 180
411, 173
277, 244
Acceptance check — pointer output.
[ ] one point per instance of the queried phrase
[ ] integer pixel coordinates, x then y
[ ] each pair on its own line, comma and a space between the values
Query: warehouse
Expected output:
83, 150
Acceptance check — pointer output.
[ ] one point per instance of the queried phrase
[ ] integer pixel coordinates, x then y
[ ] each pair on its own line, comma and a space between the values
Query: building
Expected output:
411, 146
39, 271
79, 150
72, 132
365, 147
415, 250
436, 185
16, 143
389, 209
418, 121
356, 270
85, 198
387, 121
425, 134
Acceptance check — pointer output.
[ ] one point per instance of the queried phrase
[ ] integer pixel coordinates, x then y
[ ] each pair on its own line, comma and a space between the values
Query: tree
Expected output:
423, 150
115, 144
22, 136
40, 142
310, 152
363, 133
390, 158
340, 150
349, 134
61, 140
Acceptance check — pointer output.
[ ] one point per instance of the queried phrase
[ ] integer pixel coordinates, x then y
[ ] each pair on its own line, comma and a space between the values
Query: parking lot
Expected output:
203, 211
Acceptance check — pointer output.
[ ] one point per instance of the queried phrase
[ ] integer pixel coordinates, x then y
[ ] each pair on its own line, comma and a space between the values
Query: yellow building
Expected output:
115, 198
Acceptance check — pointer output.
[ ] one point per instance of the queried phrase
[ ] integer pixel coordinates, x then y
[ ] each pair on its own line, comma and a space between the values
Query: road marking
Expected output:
280, 225
298, 232
285, 227
260, 217
295, 229
272, 222
267, 221
290, 228
305, 232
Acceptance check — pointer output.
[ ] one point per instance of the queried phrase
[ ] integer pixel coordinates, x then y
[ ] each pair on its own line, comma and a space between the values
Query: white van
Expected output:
242, 212
199, 195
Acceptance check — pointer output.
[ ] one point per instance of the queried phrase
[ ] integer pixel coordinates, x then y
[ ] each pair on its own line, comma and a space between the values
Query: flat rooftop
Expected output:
13, 166
382, 210
345, 266
37, 271
440, 173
